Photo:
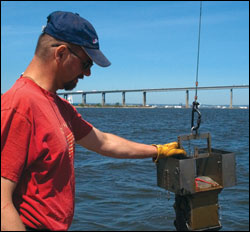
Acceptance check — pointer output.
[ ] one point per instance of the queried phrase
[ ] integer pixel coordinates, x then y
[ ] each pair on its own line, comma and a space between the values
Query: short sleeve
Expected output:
80, 126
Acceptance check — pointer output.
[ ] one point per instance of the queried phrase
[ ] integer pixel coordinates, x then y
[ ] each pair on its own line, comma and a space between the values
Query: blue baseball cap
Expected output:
72, 28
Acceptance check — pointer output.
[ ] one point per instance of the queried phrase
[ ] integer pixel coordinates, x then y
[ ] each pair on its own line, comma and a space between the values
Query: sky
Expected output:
151, 44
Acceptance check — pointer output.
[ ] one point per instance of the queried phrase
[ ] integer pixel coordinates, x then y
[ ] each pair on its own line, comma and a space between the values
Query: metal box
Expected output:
178, 175
196, 199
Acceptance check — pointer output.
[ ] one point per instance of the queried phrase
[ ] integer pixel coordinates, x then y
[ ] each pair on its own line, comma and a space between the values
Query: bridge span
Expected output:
144, 91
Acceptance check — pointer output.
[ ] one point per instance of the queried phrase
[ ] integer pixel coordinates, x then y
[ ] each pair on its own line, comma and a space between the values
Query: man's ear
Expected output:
60, 52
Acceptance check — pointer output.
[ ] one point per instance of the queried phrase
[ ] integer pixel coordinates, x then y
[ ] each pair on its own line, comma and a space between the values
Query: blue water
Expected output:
122, 194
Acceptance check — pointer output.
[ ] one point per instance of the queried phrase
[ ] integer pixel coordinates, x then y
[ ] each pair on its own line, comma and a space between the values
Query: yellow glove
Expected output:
168, 149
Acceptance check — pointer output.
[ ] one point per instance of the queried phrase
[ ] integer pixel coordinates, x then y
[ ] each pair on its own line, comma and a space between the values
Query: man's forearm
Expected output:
115, 146
118, 147
10, 219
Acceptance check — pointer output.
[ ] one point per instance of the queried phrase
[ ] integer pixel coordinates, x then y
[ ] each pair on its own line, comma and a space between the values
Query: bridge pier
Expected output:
103, 99
84, 99
123, 99
65, 96
231, 98
144, 98
187, 98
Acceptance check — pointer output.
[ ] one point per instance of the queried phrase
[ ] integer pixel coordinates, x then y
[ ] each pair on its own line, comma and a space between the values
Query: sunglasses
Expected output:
85, 65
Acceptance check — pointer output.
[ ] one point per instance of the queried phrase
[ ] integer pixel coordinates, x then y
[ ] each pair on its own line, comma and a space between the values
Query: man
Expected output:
39, 129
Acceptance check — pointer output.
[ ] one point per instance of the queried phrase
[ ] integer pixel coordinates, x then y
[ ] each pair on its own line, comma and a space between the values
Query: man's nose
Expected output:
87, 72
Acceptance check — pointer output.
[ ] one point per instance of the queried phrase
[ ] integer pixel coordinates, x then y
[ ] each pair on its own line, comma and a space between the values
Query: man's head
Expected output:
72, 42
72, 28
70, 61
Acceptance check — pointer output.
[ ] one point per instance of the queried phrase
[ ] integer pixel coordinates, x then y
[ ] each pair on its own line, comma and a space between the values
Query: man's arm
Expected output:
10, 219
115, 146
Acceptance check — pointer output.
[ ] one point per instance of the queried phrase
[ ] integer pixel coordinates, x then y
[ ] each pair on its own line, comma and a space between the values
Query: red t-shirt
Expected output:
38, 134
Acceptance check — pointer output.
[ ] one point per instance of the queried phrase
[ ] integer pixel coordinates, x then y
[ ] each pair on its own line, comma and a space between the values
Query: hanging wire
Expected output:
198, 55
195, 103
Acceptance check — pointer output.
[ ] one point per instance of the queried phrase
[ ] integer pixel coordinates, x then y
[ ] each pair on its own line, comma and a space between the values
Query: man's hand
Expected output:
10, 219
168, 149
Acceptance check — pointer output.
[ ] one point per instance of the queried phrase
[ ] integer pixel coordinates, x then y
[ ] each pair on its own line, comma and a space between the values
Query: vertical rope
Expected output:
195, 103
198, 55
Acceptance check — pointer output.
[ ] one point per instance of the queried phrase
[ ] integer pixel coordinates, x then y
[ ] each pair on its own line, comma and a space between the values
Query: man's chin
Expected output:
70, 85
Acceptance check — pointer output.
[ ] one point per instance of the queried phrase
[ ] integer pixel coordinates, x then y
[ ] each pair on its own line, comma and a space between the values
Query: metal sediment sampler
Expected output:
198, 178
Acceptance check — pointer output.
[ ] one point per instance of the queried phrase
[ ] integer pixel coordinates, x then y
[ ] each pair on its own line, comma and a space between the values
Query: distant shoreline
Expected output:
159, 107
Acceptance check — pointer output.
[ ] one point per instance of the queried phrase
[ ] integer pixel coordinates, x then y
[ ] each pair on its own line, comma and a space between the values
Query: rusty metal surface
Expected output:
189, 137
196, 180
197, 212
177, 174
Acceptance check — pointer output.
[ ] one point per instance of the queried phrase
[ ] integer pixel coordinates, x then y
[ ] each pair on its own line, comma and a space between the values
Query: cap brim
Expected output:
97, 56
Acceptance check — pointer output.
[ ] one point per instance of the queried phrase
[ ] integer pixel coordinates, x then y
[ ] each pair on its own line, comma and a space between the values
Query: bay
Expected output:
122, 194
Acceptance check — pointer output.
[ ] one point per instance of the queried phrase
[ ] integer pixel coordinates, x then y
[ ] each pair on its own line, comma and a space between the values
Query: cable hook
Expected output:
195, 110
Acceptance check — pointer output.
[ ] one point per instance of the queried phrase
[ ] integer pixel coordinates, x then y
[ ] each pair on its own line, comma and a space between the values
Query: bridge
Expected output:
145, 91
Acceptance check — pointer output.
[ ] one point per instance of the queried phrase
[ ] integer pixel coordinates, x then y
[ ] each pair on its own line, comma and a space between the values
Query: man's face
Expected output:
85, 65
78, 65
